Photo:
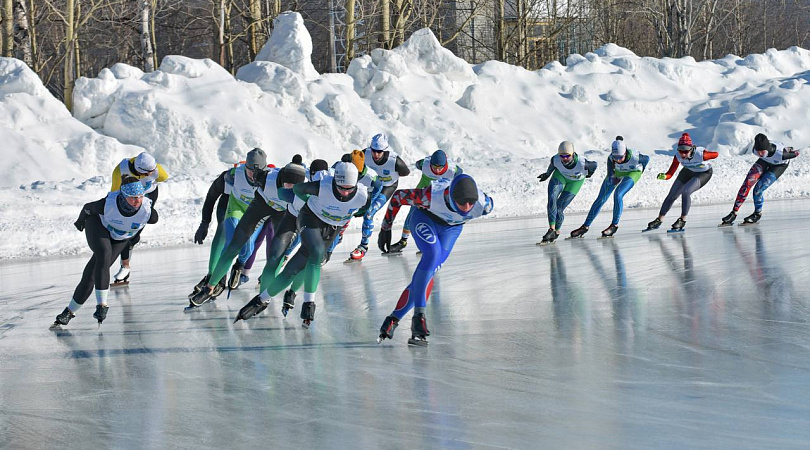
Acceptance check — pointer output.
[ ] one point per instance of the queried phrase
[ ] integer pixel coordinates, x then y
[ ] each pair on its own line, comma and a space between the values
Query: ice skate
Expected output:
654, 225
101, 313
578, 233
550, 236
200, 285
235, 275
63, 318
218, 289
387, 329
121, 278
752, 219
419, 330
609, 232
255, 306
358, 253
728, 220
201, 297
243, 279
398, 246
289, 302
677, 227
326, 258
307, 313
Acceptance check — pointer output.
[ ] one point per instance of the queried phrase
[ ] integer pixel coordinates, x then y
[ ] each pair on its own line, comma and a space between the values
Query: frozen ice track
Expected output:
698, 340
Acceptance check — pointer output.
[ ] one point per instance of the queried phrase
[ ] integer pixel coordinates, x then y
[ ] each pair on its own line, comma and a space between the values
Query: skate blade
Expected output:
380, 339
117, 284
648, 229
306, 324
724, 225
747, 224
675, 231
604, 237
544, 243
392, 254
570, 238
352, 260
55, 326
418, 342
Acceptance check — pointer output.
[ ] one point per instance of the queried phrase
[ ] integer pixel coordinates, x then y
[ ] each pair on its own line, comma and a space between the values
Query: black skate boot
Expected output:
255, 306
610, 231
218, 289
677, 226
63, 318
654, 225
101, 313
398, 246
308, 313
752, 219
289, 302
550, 236
236, 273
419, 330
200, 285
201, 297
387, 329
728, 220
579, 232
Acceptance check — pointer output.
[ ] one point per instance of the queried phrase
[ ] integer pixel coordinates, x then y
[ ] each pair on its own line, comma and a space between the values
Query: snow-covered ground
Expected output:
500, 122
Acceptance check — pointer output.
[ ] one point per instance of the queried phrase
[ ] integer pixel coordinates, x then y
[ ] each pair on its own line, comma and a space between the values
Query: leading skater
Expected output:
774, 158
695, 174
109, 224
441, 211
389, 167
144, 168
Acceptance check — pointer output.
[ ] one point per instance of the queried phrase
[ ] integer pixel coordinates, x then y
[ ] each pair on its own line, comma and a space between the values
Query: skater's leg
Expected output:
257, 245
217, 246
566, 197
285, 231
622, 189
295, 267
247, 249
85, 286
336, 241
765, 181
750, 180
257, 211
406, 228
689, 188
368, 219
555, 187
674, 192
604, 194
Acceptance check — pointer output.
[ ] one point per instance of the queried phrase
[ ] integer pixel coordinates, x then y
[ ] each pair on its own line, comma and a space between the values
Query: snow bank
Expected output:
500, 122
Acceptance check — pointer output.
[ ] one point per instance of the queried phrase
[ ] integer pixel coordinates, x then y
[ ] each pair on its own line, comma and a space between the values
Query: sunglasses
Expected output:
566, 156
343, 190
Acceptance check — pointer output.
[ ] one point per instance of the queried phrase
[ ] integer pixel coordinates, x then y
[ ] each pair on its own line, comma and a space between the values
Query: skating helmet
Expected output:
463, 191
438, 162
145, 163
344, 183
379, 143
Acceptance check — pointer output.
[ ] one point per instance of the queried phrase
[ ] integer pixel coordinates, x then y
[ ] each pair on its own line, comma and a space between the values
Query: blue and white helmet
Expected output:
379, 142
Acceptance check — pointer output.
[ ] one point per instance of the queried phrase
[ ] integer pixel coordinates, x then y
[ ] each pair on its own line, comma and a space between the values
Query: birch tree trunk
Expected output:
147, 51
22, 37
8, 28
255, 14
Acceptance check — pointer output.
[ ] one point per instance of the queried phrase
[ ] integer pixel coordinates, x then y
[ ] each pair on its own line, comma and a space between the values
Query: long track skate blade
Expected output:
747, 224
418, 342
604, 237
352, 260
571, 238
392, 254
55, 326
118, 284
380, 339
675, 231
544, 243
725, 225
306, 324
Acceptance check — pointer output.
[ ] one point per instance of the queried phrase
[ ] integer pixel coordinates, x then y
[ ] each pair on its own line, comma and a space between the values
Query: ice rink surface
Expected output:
697, 340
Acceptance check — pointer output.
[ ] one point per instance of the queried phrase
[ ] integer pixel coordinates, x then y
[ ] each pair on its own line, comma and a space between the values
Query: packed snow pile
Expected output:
501, 123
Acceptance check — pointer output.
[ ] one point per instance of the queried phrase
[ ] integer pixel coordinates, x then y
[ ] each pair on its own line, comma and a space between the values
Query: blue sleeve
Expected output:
286, 194
489, 204
644, 160
376, 187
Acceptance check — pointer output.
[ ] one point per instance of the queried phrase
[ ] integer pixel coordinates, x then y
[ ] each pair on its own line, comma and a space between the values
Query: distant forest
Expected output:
62, 40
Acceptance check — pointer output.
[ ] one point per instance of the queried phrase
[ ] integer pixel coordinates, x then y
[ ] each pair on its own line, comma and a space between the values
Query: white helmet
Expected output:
379, 142
346, 174
145, 163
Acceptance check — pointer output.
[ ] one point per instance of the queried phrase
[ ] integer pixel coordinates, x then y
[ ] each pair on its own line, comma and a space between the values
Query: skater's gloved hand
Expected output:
384, 240
543, 176
79, 224
662, 176
201, 233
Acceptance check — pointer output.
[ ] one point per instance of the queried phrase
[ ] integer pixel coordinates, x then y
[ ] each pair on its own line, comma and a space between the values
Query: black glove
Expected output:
79, 223
543, 176
384, 240
201, 233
